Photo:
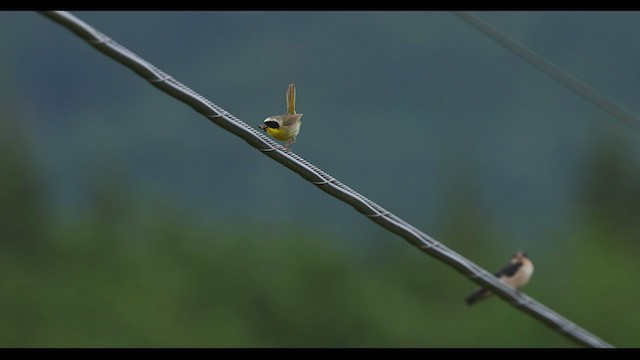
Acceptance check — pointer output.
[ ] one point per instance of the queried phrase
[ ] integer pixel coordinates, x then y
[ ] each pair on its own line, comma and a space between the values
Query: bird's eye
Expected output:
272, 124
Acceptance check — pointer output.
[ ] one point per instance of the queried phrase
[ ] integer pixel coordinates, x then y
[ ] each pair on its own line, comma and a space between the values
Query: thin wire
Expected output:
322, 180
553, 71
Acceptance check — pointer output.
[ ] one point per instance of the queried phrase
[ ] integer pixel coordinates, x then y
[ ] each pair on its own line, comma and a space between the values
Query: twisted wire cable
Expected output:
321, 179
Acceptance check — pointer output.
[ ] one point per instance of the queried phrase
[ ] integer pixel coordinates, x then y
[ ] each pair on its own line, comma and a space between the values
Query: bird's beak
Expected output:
263, 126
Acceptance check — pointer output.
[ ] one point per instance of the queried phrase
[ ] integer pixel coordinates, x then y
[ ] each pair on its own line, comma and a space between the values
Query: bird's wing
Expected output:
290, 119
509, 270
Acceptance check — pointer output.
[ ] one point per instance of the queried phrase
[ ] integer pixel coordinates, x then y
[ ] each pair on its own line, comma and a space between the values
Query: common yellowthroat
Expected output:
284, 127
515, 275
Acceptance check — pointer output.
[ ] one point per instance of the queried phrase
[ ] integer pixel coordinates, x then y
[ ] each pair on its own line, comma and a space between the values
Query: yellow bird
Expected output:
284, 127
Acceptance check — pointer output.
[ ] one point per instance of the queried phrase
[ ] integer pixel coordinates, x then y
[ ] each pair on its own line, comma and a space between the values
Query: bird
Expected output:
516, 274
285, 127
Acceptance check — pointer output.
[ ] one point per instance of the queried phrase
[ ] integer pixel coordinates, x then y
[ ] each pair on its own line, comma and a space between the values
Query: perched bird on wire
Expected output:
285, 127
515, 275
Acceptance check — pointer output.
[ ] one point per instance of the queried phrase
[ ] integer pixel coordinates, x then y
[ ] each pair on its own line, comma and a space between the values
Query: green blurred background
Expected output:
130, 220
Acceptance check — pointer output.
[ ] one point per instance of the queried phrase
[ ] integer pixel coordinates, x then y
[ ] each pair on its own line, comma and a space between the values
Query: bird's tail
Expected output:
477, 296
291, 99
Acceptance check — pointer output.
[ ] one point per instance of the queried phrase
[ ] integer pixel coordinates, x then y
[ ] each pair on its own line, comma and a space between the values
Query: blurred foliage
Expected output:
129, 272
612, 191
22, 220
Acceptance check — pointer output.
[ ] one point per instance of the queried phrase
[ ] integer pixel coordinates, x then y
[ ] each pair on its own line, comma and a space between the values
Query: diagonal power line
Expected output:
553, 71
322, 180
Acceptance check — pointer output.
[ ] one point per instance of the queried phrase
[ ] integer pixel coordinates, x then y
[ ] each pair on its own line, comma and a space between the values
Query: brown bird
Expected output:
515, 275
